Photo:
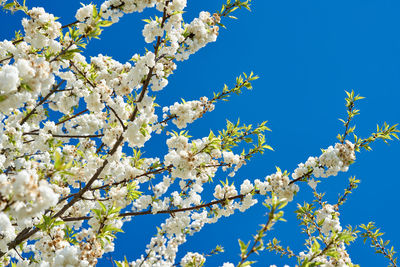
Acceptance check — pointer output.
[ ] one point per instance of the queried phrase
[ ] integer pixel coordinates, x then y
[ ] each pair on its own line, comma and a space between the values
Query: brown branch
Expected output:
96, 199
41, 102
70, 24
259, 236
323, 251
64, 51
66, 119
81, 73
350, 110
5, 59
70, 136
17, 41
119, 119
14, 43
70, 118
100, 147
165, 120
133, 178
157, 171
29, 155
170, 211
302, 177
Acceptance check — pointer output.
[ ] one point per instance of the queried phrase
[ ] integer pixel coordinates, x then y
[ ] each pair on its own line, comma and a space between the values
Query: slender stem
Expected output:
301, 177
323, 251
350, 110
380, 248
70, 24
119, 119
82, 74
5, 59
169, 211
70, 118
64, 51
41, 102
70, 136
133, 178
62, 121
167, 119
259, 236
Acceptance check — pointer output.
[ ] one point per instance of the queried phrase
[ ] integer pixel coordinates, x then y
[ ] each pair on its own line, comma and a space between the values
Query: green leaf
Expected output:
9, 5
3, 97
105, 23
103, 207
57, 161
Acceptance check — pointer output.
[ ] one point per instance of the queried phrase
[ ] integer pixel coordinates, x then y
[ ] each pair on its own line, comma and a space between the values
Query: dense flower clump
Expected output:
71, 129
37, 186
329, 219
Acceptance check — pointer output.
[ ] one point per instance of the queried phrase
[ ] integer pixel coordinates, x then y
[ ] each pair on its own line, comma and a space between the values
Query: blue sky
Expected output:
307, 54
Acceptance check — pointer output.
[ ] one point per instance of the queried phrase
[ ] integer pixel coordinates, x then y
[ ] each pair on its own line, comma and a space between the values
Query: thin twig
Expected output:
70, 136
41, 102
119, 119
70, 118
169, 211
70, 24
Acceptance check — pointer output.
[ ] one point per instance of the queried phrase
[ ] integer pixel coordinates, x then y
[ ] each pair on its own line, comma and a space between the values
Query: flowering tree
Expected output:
72, 130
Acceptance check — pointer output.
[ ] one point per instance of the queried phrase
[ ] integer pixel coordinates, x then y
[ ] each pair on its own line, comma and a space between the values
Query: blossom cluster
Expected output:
192, 259
328, 218
41, 29
71, 129
32, 185
187, 112
332, 161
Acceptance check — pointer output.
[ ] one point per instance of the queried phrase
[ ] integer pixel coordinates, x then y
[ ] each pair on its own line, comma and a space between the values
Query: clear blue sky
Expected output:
307, 54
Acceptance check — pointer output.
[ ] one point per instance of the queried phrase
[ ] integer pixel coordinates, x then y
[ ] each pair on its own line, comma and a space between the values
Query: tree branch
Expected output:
41, 102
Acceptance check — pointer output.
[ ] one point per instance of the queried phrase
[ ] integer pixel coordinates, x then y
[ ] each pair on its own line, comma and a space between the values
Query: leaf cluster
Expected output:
104, 214
380, 245
14, 6
275, 214
232, 5
237, 89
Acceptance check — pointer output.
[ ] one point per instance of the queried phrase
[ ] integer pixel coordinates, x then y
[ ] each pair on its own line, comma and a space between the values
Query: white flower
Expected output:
176, 5
151, 31
7, 232
94, 103
230, 158
225, 192
9, 79
85, 12
312, 183
192, 259
330, 219
186, 112
40, 28
246, 187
